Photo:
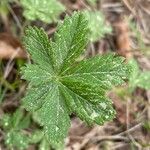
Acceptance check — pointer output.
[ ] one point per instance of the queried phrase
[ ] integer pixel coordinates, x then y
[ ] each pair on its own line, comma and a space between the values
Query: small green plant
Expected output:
16, 137
13, 126
44, 10
37, 137
137, 77
97, 25
59, 86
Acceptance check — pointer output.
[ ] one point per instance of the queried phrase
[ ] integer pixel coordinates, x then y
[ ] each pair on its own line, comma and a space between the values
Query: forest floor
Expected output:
130, 130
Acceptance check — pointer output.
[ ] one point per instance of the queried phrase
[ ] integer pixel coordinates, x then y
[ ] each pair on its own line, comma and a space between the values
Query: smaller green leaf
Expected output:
44, 145
5, 121
135, 69
137, 77
36, 136
16, 139
24, 123
16, 121
97, 25
143, 80
44, 10
16, 118
36, 117
134, 74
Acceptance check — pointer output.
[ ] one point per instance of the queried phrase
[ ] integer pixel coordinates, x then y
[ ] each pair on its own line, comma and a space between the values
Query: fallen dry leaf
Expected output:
122, 38
10, 47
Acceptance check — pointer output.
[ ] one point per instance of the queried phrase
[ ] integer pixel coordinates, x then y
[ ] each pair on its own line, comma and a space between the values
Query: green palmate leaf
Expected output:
97, 25
44, 10
65, 87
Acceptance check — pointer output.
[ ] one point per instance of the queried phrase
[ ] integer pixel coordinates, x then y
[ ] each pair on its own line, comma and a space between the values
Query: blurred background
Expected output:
119, 26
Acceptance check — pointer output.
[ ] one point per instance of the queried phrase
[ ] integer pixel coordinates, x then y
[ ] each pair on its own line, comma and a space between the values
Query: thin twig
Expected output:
129, 7
10, 64
131, 129
15, 17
